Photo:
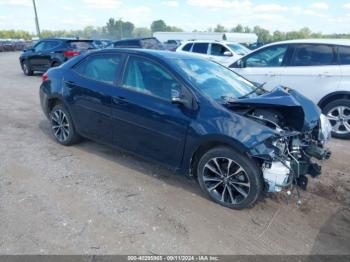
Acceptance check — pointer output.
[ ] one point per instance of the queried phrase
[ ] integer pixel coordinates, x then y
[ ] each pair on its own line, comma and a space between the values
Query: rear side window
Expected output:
51, 44
312, 55
81, 45
344, 55
201, 48
102, 68
187, 47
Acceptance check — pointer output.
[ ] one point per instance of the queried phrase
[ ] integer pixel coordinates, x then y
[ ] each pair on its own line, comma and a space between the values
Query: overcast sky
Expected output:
328, 16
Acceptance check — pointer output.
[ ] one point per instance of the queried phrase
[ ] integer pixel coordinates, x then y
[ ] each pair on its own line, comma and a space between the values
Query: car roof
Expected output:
159, 54
133, 39
315, 41
65, 39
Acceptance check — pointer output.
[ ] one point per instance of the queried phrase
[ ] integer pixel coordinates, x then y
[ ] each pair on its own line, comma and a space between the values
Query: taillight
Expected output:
44, 77
71, 53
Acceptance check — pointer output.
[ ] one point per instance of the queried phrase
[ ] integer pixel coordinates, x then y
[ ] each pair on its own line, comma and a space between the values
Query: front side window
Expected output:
239, 49
102, 68
218, 50
312, 55
272, 56
147, 77
212, 79
40, 47
187, 47
201, 48
344, 55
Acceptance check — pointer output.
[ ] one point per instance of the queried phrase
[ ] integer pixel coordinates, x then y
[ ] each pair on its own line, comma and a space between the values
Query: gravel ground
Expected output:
91, 199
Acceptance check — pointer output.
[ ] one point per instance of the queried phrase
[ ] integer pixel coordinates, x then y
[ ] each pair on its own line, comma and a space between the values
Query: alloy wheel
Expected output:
226, 181
60, 125
340, 119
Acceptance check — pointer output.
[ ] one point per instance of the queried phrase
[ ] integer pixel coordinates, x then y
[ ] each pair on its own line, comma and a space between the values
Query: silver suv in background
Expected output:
222, 52
317, 68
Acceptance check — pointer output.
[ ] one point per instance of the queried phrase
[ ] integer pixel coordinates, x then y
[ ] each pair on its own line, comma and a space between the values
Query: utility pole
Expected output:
36, 20
121, 28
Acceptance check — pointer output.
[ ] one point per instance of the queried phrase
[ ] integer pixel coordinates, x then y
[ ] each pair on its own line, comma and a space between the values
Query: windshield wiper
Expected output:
259, 87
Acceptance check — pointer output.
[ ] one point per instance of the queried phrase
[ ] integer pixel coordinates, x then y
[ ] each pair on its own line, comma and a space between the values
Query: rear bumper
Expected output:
44, 101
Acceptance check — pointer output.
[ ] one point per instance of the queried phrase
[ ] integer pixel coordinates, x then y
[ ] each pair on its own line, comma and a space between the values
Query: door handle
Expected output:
270, 74
325, 74
119, 100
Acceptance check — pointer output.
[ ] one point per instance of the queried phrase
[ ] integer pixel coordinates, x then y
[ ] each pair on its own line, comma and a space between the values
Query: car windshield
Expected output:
239, 49
214, 80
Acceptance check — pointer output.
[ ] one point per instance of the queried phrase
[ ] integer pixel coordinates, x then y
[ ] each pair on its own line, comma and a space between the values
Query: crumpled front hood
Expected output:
300, 112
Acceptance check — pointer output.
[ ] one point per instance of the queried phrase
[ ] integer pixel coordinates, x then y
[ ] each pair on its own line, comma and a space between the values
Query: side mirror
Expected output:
228, 53
176, 98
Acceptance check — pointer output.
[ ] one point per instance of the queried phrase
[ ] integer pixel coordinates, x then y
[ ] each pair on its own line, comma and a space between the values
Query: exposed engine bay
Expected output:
287, 159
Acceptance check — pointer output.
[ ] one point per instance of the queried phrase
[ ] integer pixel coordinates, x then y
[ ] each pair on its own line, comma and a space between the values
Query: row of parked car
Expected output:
319, 68
13, 45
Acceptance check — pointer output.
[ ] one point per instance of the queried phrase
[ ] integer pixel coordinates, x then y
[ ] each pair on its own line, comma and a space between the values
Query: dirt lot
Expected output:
91, 199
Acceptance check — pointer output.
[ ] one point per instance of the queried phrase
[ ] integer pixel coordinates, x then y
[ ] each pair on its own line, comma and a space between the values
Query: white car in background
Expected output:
222, 52
317, 68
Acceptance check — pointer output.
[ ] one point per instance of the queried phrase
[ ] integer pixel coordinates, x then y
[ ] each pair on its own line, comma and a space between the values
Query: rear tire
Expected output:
229, 178
338, 113
62, 126
26, 68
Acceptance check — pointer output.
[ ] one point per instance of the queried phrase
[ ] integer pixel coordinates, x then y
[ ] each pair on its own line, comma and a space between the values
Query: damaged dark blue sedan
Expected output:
192, 115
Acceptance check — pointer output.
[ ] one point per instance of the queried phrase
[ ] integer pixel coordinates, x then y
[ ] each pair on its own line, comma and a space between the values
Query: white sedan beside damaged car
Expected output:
222, 52
317, 68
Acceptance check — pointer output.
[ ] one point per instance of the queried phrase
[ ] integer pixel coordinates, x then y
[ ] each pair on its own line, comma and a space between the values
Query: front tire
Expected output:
26, 68
338, 113
229, 178
62, 126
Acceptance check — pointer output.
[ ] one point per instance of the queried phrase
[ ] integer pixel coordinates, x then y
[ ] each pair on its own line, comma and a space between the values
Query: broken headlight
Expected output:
324, 133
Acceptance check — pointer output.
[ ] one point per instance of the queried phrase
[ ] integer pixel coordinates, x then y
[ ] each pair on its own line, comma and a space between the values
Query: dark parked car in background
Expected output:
144, 43
192, 115
51, 53
171, 45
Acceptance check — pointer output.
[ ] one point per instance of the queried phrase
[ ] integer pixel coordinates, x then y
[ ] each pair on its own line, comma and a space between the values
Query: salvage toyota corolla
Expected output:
192, 115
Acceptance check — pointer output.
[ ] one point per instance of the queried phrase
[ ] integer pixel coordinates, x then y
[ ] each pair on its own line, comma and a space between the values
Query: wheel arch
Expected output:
333, 96
51, 103
211, 142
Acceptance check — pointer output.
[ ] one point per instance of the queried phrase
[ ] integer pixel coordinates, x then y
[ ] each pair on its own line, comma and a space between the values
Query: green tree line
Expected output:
118, 29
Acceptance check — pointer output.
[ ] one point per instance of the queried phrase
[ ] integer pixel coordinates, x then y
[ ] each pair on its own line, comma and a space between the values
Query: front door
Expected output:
144, 119
264, 65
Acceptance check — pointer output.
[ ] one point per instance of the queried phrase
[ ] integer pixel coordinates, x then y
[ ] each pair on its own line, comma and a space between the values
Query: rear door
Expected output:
264, 65
200, 49
90, 86
313, 70
144, 119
